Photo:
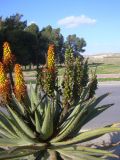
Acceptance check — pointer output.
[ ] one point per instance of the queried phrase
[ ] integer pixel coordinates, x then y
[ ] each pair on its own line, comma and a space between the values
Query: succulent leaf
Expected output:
47, 126
21, 123
87, 135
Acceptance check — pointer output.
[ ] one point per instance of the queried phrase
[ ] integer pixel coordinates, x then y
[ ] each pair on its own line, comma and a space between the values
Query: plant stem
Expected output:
53, 155
11, 78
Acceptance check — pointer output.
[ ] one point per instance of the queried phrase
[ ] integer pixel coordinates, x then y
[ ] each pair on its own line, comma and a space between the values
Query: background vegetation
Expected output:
29, 44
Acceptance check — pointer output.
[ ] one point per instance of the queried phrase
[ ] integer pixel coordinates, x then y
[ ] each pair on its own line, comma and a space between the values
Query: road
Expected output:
108, 117
112, 114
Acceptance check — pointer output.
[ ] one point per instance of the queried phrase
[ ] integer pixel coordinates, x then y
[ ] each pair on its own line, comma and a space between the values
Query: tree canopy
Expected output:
76, 43
30, 44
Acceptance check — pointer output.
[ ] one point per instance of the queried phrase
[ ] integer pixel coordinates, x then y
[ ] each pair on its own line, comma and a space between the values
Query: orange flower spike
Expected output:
51, 57
4, 84
19, 86
7, 56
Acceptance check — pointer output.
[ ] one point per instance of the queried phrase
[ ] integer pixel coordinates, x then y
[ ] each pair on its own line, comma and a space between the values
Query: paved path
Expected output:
112, 114
109, 116
108, 75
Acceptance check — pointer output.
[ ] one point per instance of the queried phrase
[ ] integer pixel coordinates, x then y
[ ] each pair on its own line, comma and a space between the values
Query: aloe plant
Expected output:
35, 125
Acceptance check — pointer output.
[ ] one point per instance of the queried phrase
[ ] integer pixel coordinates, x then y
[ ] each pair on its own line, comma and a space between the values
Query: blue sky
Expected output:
97, 21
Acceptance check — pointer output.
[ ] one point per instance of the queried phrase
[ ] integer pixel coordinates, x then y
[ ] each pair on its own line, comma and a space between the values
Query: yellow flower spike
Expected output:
7, 55
51, 58
20, 88
4, 85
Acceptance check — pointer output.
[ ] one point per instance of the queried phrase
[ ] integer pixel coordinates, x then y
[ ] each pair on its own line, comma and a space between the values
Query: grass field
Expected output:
99, 67
105, 68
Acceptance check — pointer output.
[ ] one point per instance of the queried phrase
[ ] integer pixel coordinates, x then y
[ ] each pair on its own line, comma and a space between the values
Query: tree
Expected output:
1, 44
23, 47
14, 23
23, 44
32, 28
49, 35
76, 43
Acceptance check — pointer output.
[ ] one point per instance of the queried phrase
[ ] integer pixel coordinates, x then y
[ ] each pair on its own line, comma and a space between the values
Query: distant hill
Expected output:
110, 58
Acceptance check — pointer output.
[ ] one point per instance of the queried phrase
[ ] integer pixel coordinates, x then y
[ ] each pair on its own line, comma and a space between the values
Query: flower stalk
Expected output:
4, 85
20, 88
8, 61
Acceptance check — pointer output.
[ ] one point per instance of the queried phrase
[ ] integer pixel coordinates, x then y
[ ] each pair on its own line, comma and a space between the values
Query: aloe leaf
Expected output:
79, 108
88, 135
78, 155
77, 118
21, 123
77, 114
91, 151
37, 146
47, 126
18, 104
16, 130
91, 113
4, 133
70, 118
33, 97
5, 155
38, 121
10, 142
5, 124
21, 134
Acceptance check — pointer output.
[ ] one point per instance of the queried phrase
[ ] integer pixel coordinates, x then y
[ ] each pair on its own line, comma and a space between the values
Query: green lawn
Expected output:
105, 68
101, 69
108, 79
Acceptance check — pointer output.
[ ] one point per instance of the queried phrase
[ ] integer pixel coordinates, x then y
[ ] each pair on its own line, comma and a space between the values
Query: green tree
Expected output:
32, 28
50, 35
76, 43
23, 47
14, 22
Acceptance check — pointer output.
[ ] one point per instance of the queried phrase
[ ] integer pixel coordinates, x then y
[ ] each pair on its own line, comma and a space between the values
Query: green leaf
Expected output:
4, 133
21, 123
10, 142
33, 98
91, 151
38, 121
5, 124
70, 118
47, 126
74, 123
37, 147
78, 155
76, 115
5, 155
88, 135
91, 113
21, 134
19, 106
16, 130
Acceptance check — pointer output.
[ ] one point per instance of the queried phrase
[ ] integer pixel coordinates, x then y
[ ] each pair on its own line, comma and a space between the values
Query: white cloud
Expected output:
75, 21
